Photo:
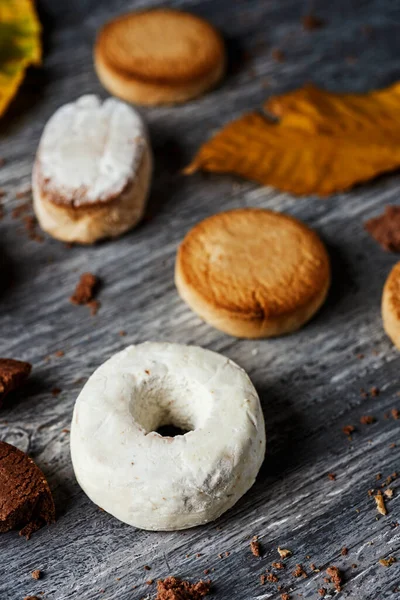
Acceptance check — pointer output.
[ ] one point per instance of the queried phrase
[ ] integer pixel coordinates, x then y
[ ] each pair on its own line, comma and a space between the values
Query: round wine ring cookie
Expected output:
158, 482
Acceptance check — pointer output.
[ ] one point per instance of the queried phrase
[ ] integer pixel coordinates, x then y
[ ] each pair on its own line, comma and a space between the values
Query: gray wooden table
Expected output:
309, 382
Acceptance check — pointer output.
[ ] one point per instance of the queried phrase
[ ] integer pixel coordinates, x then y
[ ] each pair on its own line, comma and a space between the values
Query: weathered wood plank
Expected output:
309, 382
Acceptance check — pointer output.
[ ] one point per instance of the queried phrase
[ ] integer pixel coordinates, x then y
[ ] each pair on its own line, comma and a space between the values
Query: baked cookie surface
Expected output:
253, 272
159, 56
391, 305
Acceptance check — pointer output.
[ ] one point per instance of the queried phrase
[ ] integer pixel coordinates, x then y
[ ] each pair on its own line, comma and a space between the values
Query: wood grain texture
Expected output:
309, 382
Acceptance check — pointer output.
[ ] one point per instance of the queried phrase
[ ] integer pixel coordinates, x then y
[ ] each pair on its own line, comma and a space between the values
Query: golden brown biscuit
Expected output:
253, 273
391, 305
159, 56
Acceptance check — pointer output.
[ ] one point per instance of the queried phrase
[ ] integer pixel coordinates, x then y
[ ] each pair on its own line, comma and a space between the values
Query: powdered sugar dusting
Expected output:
90, 150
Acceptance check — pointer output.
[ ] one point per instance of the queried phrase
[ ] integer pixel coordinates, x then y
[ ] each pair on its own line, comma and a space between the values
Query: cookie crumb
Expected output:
374, 391
367, 419
85, 292
150, 581
385, 229
335, 577
36, 574
173, 588
312, 22
387, 562
285, 596
388, 493
13, 374
322, 592
395, 412
278, 565
278, 55
348, 429
255, 547
272, 578
284, 552
299, 571
380, 504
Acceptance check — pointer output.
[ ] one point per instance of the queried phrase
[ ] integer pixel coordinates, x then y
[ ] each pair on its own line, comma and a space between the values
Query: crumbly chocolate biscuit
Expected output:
25, 497
12, 374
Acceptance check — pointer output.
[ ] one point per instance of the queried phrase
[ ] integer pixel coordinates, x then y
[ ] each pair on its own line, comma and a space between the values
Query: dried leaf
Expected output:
19, 45
323, 142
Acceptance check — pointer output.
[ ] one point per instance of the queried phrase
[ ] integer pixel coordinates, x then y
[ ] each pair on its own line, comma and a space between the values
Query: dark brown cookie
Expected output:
25, 497
12, 374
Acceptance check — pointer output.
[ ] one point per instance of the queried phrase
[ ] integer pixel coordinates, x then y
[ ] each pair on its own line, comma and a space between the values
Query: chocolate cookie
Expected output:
12, 374
25, 497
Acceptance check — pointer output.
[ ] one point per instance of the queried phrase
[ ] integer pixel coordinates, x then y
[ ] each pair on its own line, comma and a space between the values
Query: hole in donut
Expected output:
169, 406
171, 431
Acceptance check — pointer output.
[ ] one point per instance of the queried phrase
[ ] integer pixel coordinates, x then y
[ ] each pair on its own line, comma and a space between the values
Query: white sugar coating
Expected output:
91, 149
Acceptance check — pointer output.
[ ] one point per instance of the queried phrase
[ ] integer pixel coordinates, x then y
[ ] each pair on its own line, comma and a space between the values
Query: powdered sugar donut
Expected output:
92, 170
167, 483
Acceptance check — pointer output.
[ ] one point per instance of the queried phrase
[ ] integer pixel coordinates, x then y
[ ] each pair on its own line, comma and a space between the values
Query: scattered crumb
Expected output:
59, 353
348, 429
206, 571
55, 391
255, 547
36, 574
30, 223
122, 333
363, 393
387, 562
22, 192
278, 565
388, 493
380, 504
335, 577
312, 22
344, 551
378, 476
285, 596
150, 581
173, 588
385, 228
374, 391
263, 579
147, 568
367, 419
354, 566
395, 413
322, 592
64, 430
299, 571
31, 598
227, 554
278, 55
85, 289
332, 476
94, 306
283, 552
360, 356
272, 578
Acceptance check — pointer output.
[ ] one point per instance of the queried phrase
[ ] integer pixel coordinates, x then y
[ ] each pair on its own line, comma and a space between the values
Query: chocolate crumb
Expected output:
278, 565
344, 551
335, 576
385, 228
147, 568
395, 413
387, 562
348, 429
278, 55
85, 289
367, 419
380, 504
13, 373
255, 547
36, 574
332, 476
312, 22
299, 571
173, 588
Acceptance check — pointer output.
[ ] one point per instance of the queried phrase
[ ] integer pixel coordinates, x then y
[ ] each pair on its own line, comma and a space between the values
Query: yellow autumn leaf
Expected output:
322, 143
19, 45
